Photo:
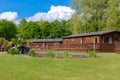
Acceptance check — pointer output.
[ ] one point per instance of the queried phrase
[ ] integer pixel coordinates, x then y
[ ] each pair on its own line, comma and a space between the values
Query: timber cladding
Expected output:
104, 41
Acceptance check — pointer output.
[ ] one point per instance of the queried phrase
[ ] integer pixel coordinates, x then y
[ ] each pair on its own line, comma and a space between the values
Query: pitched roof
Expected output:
91, 34
47, 40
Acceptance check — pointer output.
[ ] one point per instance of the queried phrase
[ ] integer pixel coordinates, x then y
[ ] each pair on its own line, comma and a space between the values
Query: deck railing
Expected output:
77, 47
81, 47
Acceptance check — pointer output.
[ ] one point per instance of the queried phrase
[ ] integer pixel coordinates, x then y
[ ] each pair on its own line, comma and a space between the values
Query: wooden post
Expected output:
94, 44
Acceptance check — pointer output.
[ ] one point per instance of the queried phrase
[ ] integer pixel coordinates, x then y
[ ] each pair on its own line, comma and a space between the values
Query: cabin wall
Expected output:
101, 43
72, 41
79, 44
43, 46
108, 42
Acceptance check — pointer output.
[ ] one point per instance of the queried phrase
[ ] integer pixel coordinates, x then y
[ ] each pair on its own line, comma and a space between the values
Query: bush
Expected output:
92, 54
10, 51
16, 51
50, 54
13, 51
32, 53
66, 54
7, 48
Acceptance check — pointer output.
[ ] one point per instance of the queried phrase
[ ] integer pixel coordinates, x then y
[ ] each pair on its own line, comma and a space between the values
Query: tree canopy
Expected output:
43, 29
7, 29
90, 16
96, 15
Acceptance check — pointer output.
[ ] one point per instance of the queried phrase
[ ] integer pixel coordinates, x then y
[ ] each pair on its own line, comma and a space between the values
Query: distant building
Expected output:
104, 41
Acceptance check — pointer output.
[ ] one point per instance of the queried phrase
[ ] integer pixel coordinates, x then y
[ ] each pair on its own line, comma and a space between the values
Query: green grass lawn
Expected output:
20, 67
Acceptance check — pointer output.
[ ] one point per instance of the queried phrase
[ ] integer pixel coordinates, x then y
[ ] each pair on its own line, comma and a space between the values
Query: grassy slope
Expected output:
27, 68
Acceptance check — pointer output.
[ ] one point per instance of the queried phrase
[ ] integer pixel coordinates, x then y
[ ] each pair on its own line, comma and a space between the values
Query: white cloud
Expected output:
55, 12
11, 16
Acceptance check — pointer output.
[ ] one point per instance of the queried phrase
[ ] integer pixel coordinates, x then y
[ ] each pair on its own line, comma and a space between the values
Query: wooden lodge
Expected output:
45, 44
104, 41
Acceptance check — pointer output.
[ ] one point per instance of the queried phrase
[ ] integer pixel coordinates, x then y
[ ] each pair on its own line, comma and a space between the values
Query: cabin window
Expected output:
107, 40
96, 41
110, 40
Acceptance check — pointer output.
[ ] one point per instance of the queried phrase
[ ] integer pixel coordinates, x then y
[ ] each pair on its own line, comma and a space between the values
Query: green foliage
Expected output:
43, 29
29, 42
20, 42
31, 30
7, 29
50, 54
13, 51
20, 28
96, 15
75, 24
66, 54
16, 51
92, 54
10, 51
13, 41
32, 53
113, 17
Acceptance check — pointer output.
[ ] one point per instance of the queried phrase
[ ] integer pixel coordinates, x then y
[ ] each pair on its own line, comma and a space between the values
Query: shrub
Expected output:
66, 54
10, 51
92, 54
32, 53
7, 47
16, 51
13, 51
50, 54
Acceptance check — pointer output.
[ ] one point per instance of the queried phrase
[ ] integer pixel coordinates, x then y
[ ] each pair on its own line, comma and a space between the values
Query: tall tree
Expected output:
7, 29
76, 24
113, 15
31, 30
20, 28
45, 28
98, 15
59, 29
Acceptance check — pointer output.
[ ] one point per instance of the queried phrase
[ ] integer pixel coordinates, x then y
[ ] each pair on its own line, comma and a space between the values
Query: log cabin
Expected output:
103, 41
44, 44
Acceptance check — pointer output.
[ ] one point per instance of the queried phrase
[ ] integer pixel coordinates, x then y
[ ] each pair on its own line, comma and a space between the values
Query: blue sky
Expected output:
27, 8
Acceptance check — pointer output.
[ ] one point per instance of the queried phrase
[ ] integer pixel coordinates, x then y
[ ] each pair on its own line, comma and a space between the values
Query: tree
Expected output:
98, 15
45, 29
20, 42
20, 28
64, 29
59, 29
76, 24
31, 30
14, 42
28, 42
113, 17
7, 29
